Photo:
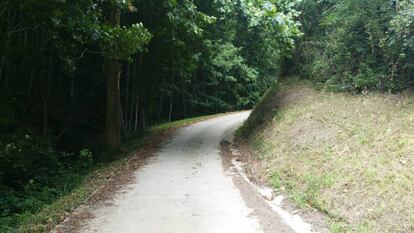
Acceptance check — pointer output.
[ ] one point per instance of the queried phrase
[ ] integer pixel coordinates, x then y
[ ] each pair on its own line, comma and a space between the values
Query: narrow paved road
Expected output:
183, 189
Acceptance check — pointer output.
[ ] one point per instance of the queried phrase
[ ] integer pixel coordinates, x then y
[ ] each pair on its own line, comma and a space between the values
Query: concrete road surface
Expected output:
186, 189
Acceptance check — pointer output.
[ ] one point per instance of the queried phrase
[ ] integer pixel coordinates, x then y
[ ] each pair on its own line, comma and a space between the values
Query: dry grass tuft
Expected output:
351, 156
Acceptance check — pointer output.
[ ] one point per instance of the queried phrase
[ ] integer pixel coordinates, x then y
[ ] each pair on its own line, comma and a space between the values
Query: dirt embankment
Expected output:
349, 156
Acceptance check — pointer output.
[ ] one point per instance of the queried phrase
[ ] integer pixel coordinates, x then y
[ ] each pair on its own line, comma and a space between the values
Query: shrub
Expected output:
33, 174
24, 158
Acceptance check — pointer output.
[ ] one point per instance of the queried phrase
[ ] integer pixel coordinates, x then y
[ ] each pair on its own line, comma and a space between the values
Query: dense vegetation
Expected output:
356, 45
78, 76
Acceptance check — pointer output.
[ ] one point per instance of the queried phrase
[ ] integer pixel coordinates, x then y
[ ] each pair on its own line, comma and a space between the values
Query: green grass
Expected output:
83, 185
349, 156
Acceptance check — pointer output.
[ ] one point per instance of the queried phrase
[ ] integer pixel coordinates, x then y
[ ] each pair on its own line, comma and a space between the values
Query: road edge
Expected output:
300, 220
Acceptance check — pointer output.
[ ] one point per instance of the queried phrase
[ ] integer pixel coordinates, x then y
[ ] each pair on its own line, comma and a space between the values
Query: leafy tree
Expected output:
356, 45
118, 43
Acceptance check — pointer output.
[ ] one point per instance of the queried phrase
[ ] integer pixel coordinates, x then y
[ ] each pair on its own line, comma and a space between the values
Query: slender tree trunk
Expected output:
45, 116
133, 105
24, 59
143, 120
172, 97
184, 91
161, 99
134, 99
72, 87
193, 91
112, 70
141, 89
126, 110
173, 79
46, 99
171, 108
131, 110
7, 44
30, 87
136, 115
216, 92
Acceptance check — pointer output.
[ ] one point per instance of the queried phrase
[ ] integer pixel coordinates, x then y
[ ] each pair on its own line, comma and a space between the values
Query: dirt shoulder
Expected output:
271, 221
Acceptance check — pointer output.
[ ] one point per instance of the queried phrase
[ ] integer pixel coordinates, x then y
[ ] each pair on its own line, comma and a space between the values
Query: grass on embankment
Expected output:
349, 156
51, 215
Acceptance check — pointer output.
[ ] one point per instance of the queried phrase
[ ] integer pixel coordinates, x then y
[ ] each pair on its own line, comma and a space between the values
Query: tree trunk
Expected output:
112, 71
171, 108
133, 105
134, 98
183, 93
173, 79
30, 87
46, 99
45, 117
7, 44
72, 88
126, 110
141, 89
161, 99
143, 120
136, 115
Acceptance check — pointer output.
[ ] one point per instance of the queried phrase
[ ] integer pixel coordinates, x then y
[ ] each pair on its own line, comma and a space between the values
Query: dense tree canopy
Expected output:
357, 45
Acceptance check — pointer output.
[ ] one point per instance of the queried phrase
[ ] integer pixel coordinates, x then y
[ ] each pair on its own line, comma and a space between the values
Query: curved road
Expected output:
184, 189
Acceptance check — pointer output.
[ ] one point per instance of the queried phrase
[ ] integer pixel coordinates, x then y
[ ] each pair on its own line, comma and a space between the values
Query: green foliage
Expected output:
120, 42
85, 160
357, 45
276, 181
184, 14
33, 176
24, 159
263, 112
229, 68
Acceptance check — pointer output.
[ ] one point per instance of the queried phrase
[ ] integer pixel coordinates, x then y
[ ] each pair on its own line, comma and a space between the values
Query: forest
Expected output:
80, 77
